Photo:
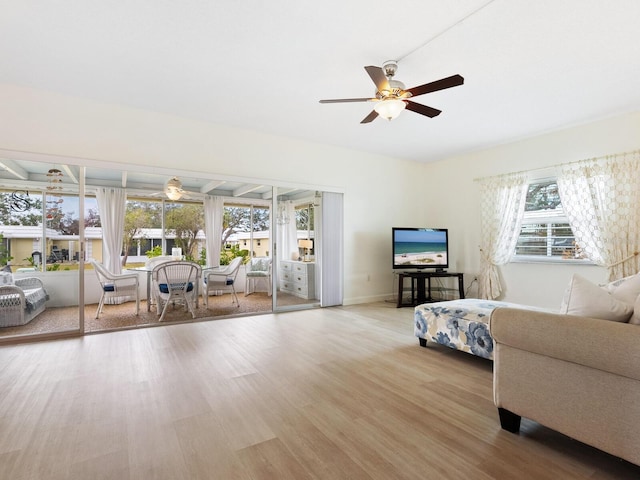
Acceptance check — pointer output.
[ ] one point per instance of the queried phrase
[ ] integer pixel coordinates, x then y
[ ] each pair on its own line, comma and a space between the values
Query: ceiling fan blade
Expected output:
378, 77
346, 100
371, 117
452, 81
422, 109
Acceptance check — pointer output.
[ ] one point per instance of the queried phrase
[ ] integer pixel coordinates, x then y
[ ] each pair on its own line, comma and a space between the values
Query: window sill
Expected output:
552, 260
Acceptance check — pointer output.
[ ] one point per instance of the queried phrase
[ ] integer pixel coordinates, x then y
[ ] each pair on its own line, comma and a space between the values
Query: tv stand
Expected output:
421, 290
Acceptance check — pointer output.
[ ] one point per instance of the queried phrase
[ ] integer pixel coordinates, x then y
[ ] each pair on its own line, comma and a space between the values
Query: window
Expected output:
545, 234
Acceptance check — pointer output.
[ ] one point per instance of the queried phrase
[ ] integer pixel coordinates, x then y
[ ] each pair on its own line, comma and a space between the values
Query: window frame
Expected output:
545, 217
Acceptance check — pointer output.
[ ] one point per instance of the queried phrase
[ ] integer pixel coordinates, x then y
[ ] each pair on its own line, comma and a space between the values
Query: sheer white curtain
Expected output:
213, 214
601, 198
502, 206
112, 204
287, 233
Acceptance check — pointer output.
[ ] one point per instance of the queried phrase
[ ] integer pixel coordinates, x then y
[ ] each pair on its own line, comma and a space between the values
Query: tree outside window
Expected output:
545, 233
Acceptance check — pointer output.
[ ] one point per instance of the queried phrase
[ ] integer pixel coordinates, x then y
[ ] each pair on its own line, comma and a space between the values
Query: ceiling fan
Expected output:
391, 97
174, 191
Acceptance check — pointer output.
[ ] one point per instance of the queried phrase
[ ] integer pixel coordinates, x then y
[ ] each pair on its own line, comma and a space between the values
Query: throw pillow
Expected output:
635, 318
588, 299
6, 278
626, 289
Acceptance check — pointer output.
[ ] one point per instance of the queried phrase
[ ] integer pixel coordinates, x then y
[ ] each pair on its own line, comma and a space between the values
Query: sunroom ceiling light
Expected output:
389, 108
173, 189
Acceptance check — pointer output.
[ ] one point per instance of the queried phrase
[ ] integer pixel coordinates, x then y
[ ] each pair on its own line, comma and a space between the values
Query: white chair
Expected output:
176, 282
116, 285
154, 261
221, 279
256, 269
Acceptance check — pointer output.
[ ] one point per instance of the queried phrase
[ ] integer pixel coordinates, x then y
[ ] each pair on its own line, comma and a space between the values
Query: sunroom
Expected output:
60, 219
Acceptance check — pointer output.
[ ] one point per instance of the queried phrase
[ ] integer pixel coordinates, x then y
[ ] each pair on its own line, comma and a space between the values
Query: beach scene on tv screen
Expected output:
426, 248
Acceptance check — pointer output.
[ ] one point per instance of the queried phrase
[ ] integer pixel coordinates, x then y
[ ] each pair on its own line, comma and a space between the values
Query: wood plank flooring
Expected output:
337, 393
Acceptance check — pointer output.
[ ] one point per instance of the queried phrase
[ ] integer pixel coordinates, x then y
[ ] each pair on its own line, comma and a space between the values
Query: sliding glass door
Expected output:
40, 220
296, 269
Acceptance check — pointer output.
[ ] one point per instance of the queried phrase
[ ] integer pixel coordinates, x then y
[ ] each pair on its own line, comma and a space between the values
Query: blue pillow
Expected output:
165, 289
229, 280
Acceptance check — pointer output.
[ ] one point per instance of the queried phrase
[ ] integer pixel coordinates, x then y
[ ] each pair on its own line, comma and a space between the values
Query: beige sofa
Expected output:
577, 375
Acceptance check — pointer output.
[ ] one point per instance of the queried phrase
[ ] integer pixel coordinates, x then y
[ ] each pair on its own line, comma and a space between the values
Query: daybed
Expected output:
21, 300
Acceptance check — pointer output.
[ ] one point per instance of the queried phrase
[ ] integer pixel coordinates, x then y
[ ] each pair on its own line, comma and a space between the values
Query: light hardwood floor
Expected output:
320, 394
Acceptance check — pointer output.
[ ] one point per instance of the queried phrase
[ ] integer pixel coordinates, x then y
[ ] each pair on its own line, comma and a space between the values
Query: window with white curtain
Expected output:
545, 234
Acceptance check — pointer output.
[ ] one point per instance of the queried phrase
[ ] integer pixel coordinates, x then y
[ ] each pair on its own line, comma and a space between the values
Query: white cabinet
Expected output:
297, 278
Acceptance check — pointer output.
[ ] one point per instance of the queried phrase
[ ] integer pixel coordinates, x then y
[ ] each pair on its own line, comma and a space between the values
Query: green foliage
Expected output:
542, 196
31, 261
154, 252
5, 258
227, 255
238, 219
185, 221
54, 267
139, 215
29, 211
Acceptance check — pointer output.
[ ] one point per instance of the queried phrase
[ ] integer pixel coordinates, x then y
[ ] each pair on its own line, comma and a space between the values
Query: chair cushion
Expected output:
6, 278
228, 282
165, 289
257, 274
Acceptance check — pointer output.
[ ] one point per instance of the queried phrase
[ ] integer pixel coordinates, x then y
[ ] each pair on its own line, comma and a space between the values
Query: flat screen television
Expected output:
420, 248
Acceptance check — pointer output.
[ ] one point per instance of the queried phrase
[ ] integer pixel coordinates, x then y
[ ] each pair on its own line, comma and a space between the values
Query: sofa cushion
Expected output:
588, 299
627, 289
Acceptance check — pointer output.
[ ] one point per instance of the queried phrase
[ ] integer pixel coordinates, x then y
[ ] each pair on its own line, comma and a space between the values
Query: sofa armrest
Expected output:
29, 282
600, 344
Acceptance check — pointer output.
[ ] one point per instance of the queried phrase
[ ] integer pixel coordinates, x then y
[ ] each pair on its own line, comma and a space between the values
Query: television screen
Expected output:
420, 248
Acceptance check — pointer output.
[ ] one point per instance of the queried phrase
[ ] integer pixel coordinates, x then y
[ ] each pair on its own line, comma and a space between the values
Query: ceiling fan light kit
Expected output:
173, 189
389, 108
392, 98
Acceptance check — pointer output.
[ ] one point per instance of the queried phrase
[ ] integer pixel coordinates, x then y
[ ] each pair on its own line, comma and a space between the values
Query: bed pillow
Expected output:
589, 300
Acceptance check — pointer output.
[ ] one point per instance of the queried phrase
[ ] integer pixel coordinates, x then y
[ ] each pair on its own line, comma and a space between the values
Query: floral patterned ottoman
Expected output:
460, 324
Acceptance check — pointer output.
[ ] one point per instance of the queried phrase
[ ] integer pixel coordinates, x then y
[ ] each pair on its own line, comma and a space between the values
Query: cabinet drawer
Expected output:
300, 268
300, 290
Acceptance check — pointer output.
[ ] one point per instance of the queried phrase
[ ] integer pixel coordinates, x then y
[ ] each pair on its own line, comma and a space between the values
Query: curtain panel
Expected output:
601, 198
502, 207
213, 215
112, 203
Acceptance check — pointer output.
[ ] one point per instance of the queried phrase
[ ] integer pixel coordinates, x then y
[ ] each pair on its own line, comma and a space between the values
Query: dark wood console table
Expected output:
421, 290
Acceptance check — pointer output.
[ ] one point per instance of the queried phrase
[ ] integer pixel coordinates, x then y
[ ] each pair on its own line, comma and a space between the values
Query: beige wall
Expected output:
379, 192
453, 199
21, 248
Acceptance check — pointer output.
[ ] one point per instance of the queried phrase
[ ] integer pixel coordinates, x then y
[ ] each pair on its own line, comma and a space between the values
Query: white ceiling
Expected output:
530, 67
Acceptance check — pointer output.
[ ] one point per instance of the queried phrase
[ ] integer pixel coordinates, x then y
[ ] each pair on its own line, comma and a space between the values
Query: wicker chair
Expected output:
176, 282
113, 286
221, 280
22, 302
